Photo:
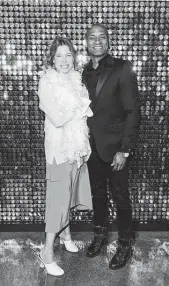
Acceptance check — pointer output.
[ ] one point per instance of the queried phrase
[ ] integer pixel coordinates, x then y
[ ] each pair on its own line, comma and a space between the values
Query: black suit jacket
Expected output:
116, 108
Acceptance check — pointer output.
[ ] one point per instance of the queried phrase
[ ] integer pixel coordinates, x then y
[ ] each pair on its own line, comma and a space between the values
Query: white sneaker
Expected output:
69, 245
51, 268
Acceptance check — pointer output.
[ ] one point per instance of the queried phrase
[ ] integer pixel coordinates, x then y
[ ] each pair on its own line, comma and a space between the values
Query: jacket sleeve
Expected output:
48, 104
130, 101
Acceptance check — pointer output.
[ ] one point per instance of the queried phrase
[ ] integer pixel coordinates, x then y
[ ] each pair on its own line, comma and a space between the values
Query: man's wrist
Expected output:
126, 154
124, 149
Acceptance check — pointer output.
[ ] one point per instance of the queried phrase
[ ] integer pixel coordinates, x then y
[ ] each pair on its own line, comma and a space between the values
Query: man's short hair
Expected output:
98, 25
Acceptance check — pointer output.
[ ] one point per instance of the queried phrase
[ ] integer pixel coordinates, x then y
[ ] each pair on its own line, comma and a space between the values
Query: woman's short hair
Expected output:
59, 41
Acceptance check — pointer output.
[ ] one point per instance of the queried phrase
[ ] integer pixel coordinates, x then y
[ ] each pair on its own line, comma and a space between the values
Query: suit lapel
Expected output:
102, 79
109, 68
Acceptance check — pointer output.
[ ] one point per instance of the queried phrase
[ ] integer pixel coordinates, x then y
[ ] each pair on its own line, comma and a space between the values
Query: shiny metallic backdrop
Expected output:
138, 32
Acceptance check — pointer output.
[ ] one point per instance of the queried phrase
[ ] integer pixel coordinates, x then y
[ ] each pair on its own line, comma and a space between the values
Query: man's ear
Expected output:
108, 43
85, 44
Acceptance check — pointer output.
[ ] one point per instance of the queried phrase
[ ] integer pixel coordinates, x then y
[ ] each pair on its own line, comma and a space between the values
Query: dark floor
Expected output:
19, 265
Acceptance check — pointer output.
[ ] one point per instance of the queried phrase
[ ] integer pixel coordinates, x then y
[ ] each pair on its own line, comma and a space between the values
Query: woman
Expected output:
65, 103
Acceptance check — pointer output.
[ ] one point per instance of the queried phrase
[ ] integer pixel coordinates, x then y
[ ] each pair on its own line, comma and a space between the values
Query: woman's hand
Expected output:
80, 162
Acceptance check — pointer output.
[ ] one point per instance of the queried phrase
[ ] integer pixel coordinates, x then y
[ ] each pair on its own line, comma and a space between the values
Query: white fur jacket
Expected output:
65, 101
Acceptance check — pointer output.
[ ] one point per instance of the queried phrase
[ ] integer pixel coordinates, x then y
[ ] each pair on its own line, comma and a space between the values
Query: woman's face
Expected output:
63, 59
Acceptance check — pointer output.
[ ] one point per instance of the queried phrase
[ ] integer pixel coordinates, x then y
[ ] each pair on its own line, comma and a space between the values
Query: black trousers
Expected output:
100, 173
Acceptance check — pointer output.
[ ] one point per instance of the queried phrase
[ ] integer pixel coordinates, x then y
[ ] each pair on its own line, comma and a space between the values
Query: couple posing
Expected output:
91, 124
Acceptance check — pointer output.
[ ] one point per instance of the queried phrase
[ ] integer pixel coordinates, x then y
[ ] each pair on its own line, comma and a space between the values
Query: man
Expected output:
113, 89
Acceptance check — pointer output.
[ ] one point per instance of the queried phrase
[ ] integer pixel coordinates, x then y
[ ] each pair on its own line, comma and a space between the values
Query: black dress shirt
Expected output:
92, 79
93, 76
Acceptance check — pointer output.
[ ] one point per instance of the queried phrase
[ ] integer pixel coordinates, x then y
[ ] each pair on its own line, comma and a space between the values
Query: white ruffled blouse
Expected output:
65, 101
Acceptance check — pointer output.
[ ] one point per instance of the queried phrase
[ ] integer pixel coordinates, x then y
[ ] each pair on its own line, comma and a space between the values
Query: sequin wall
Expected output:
138, 32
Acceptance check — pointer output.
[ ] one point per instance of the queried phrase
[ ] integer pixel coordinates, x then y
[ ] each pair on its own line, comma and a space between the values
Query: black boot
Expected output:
123, 253
100, 239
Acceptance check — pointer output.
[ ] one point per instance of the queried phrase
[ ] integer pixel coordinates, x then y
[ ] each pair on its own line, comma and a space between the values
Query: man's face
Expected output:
97, 41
